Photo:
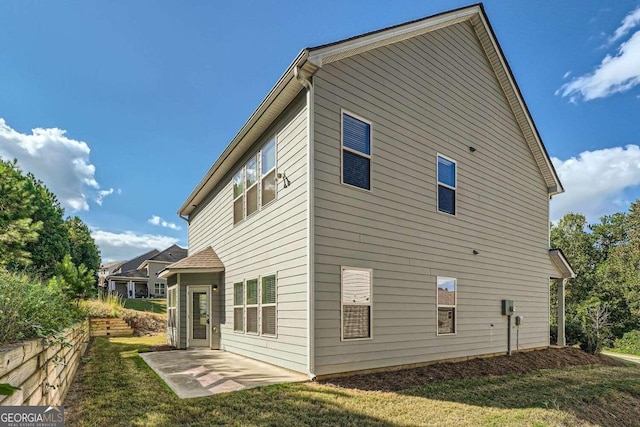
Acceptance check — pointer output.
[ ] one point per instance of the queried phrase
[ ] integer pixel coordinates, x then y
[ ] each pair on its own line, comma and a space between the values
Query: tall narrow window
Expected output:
356, 303
238, 307
252, 305
172, 323
268, 169
446, 305
446, 185
268, 305
356, 152
238, 196
252, 185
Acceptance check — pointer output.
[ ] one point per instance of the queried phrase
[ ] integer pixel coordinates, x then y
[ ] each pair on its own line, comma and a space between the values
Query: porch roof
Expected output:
561, 264
205, 261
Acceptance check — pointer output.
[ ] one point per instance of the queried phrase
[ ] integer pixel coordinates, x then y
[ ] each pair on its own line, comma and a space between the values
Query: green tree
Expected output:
53, 239
83, 248
570, 234
18, 229
75, 281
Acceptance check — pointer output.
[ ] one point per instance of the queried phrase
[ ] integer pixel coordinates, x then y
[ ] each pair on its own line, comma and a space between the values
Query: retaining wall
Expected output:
43, 369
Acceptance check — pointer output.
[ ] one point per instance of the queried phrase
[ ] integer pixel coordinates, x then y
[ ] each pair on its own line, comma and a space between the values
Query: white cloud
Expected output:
616, 73
127, 245
156, 220
60, 162
595, 182
565, 75
629, 22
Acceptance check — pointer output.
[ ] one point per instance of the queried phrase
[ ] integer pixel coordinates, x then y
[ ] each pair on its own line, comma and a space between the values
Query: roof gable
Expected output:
311, 59
170, 255
134, 263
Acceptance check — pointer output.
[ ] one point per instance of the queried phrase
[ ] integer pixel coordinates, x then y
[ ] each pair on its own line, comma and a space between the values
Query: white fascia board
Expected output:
362, 44
557, 188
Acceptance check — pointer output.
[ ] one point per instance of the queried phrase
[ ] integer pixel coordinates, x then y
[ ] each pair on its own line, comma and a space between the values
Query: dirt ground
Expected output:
517, 363
144, 323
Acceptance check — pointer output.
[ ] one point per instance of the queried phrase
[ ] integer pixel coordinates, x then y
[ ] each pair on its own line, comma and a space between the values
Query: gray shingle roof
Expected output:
172, 254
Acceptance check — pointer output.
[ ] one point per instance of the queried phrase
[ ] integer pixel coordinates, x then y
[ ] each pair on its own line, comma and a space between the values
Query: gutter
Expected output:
273, 94
305, 80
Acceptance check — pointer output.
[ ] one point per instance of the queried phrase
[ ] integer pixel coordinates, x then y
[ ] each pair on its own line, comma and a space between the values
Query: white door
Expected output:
198, 334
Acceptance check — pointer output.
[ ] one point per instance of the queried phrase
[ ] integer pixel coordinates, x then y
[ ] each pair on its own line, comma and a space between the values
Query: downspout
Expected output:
306, 82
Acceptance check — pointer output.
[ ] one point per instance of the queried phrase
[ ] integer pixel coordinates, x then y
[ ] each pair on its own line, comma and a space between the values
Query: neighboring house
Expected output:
138, 277
106, 270
374, 211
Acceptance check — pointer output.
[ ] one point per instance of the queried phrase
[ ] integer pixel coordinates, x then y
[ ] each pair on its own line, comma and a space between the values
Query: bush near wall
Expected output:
31, 309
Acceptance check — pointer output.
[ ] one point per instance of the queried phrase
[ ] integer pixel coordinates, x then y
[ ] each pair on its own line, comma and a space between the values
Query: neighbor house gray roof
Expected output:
112, 264
134, 263
172, 254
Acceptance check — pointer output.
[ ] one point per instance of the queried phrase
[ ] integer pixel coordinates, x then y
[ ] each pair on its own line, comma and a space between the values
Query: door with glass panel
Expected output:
198, 301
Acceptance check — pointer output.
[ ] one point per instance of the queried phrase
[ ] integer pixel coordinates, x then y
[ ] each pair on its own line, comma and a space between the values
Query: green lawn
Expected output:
116, 388
147, 304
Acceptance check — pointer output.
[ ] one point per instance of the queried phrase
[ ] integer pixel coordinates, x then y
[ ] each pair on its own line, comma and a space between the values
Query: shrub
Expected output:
629, 343
104, 305
30, 309
596, 326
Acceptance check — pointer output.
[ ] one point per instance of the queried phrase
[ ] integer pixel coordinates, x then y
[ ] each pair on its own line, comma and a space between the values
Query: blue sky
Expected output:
120, 107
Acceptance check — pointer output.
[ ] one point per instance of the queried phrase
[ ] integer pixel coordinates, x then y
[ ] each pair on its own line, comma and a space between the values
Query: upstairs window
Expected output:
254, 185
356, 152
356, 303
446, 185
238, 196
268, 163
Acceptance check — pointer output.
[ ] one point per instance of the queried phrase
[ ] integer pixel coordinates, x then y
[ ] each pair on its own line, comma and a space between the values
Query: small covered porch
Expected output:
195, 300
565, 272
132, 284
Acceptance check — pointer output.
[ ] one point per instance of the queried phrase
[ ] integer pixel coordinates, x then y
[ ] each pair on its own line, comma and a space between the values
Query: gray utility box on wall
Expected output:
508, 307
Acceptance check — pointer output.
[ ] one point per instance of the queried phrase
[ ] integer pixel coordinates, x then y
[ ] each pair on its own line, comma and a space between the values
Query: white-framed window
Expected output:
447, 300
238, 196
238, 307
251, 305
356, 303
356, 151
172, 319
268, 309
268, 175
251, 184
255, 184
159, 288
447, 185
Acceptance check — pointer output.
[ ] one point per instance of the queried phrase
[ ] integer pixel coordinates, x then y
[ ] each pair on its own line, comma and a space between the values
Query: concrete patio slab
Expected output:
204, 372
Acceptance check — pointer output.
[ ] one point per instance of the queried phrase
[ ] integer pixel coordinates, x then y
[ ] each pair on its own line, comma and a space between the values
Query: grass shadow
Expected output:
119, 389
600, 395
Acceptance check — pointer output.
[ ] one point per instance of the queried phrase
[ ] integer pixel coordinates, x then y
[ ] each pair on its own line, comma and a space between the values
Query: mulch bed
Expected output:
518, 363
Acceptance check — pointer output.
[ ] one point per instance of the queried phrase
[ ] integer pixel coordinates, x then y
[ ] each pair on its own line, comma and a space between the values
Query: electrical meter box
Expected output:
508, 307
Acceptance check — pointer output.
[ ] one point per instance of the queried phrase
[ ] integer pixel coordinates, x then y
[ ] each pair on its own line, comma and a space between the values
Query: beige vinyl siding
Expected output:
271, 241
432, 94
